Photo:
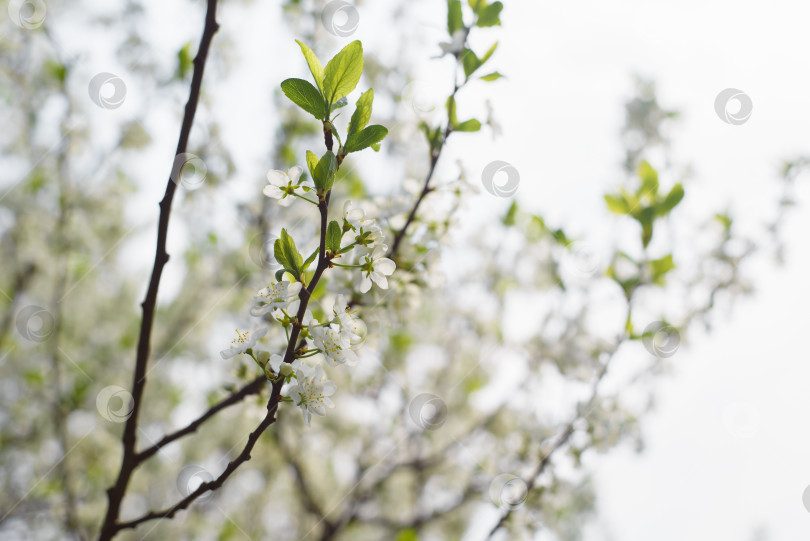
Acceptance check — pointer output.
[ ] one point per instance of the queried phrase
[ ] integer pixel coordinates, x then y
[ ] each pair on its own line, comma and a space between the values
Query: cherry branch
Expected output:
129, 461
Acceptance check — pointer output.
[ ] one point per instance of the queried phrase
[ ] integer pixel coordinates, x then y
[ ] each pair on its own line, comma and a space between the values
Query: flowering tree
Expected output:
424, 414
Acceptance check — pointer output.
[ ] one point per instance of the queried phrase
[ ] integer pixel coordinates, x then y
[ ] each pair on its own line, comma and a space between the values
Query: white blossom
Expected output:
375, 269
335, 345
243, 342
277, 296
312, 393
350, 324
281, 185
356, 217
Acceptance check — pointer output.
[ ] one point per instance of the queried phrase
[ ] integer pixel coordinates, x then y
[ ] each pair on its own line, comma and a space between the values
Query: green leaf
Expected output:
184, 60
489, 53
454, 19
660, 267
468, 125
490, 15
617, 204
362, 113
671, 200
451, 111
280, 274
649, 178
314, 64
324, 175
376, 147
646, 217
408, 534
343, 72
511, 214
494, 76
470, 62
312, 163
365, 138
287, 254
309, 260
476, 5
334, 234
305, 96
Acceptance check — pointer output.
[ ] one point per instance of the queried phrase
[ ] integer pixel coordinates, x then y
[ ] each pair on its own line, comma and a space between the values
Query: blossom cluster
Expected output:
332, 342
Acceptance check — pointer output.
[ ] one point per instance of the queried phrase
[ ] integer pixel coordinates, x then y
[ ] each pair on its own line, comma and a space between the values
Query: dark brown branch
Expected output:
129, 462
243, 457
254, 387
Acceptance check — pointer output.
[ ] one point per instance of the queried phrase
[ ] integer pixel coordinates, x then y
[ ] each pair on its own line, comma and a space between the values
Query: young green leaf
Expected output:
660, 267
185, 60
305, 96
309, 260
489, 53
470, 61
476, 5
314, 64
342, 73
362, 113
365, 138
312, 163
342, 102
454, 19
494, 76
468, 126
671, 200
490, 15
617, 204
334, 234
287, 254
649, 178
324, 175
451, 111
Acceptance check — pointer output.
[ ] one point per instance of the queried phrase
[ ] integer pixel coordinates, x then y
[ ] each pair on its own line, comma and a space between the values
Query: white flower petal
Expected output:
277, 178
385, 266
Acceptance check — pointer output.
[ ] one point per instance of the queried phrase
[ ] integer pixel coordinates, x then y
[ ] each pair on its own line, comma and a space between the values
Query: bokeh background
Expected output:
724, 452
